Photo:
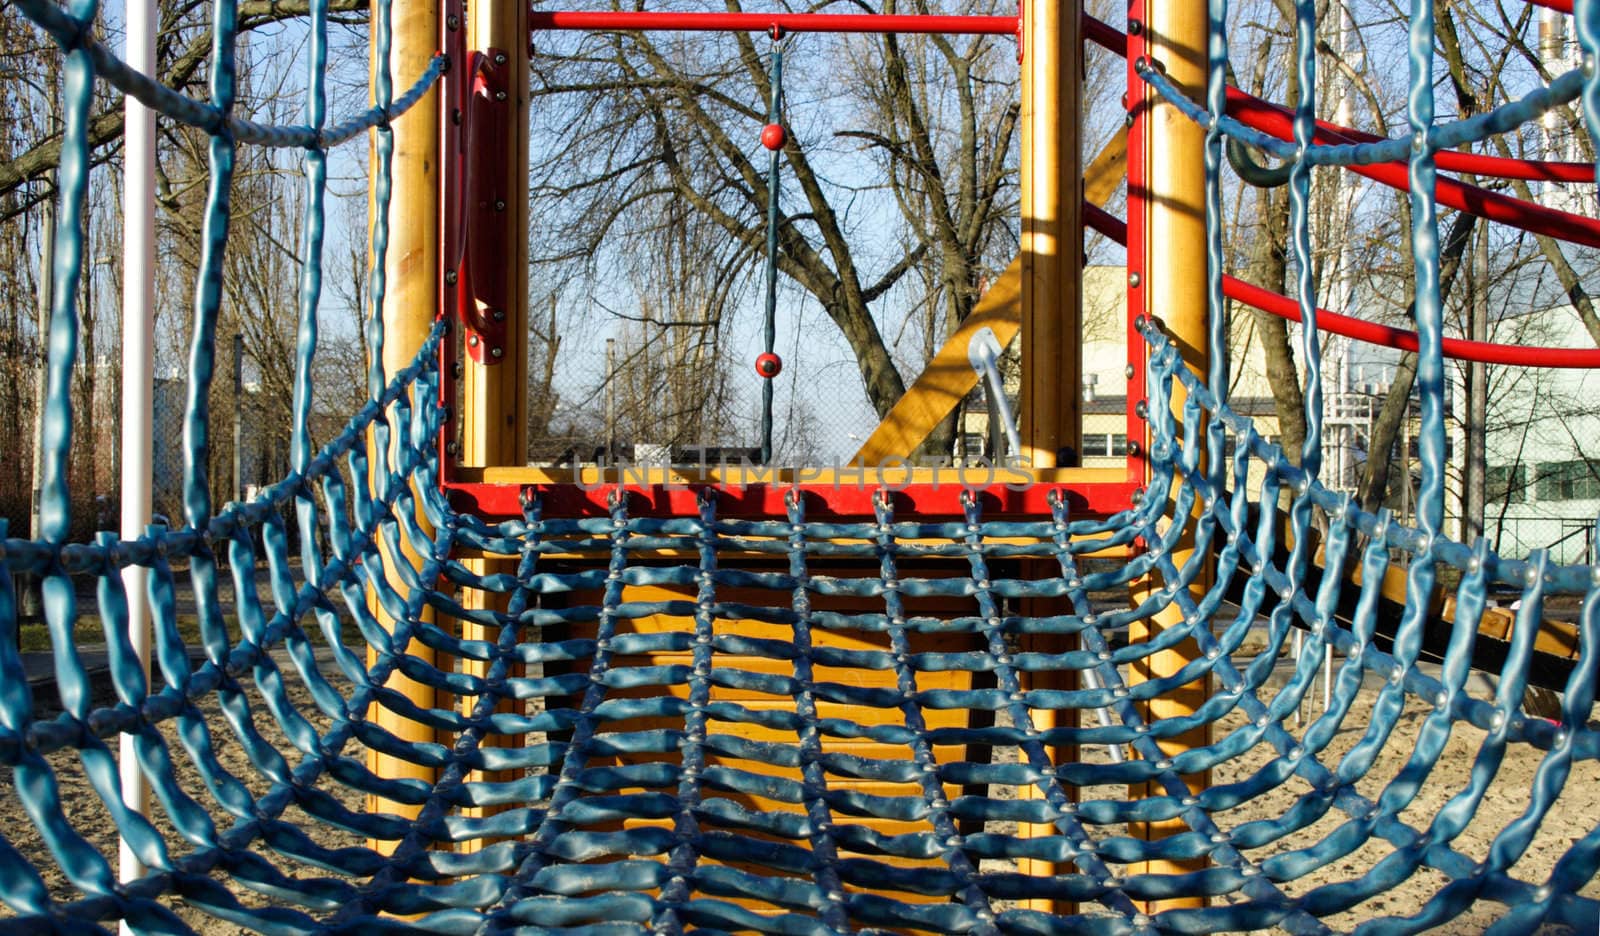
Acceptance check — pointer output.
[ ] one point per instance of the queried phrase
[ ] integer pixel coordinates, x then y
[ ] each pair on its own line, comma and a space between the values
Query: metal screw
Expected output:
455, 116
452, 21
496, 353
453, 447
1133, 280
1135, 27
499, 204
472, 341
450, 277
455, 370
1127, 371
499, 315
499, 95
500, 59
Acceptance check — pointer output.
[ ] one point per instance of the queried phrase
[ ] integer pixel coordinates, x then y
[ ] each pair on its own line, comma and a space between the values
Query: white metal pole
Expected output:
138, 372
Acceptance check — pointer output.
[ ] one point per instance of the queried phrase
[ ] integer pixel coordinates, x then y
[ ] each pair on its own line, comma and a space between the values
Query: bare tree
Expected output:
643, 121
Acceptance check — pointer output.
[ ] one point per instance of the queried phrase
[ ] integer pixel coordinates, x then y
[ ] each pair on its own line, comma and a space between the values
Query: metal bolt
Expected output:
500, 59
452, 447
499, 204
449, 277
499, 315
496, 353
499, 95
455, 370
1133, 280
1135, 27
1128, 371
455, 116
452, 21
472, 341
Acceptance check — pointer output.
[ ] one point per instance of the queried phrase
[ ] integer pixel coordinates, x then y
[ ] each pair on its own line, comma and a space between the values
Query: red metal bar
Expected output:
1137, 102
1493, 206
1104, 35
1560, 6
843, 500
1106, 223
455, 90
1271, 118
1458, 348
761, 22
1284, 307
1537, 170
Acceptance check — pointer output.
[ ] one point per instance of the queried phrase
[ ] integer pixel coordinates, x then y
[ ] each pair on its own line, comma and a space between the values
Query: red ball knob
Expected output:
769, 365
772, 136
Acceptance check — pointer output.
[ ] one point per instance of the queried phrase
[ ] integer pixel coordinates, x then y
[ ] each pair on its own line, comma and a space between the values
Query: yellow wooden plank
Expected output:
949, 377
1102, 176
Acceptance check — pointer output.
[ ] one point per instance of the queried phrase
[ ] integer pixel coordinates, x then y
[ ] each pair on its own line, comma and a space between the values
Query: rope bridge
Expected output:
787, 723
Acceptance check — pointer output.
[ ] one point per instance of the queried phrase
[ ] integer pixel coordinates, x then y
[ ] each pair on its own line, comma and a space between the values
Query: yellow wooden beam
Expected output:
1106, 171
408, 308
949, 377
1174, 265
1050, 180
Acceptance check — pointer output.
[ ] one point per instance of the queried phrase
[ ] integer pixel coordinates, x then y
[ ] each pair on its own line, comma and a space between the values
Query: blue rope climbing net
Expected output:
810, 726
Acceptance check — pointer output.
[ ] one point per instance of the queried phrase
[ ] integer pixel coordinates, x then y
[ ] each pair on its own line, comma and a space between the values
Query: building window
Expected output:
1506, 484
1105, 445
1569, 480
1415, 447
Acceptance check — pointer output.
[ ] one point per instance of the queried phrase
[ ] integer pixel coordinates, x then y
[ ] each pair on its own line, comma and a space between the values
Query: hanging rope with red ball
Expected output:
773, 137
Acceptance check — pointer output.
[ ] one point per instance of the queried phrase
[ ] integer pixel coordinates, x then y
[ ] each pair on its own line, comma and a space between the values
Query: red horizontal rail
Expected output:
1241, 105
1284, 307
1461, 349
1493, 206
846, 499
1536, 170
1560, 6
1104, 34
761, 22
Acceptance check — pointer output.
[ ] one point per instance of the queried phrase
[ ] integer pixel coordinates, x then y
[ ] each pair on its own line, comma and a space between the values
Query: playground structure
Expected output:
751, 701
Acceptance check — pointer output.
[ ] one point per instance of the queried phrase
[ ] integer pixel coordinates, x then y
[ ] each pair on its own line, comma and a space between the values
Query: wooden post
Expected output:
1171, 210
408, 310
1052, 233
494, 392
1051, 306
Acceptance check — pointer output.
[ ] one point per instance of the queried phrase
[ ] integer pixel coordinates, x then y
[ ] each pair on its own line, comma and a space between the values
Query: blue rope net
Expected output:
808, 726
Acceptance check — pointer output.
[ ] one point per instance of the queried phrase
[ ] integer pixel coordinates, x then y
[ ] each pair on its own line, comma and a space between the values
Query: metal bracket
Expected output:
983, 352
482, 299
